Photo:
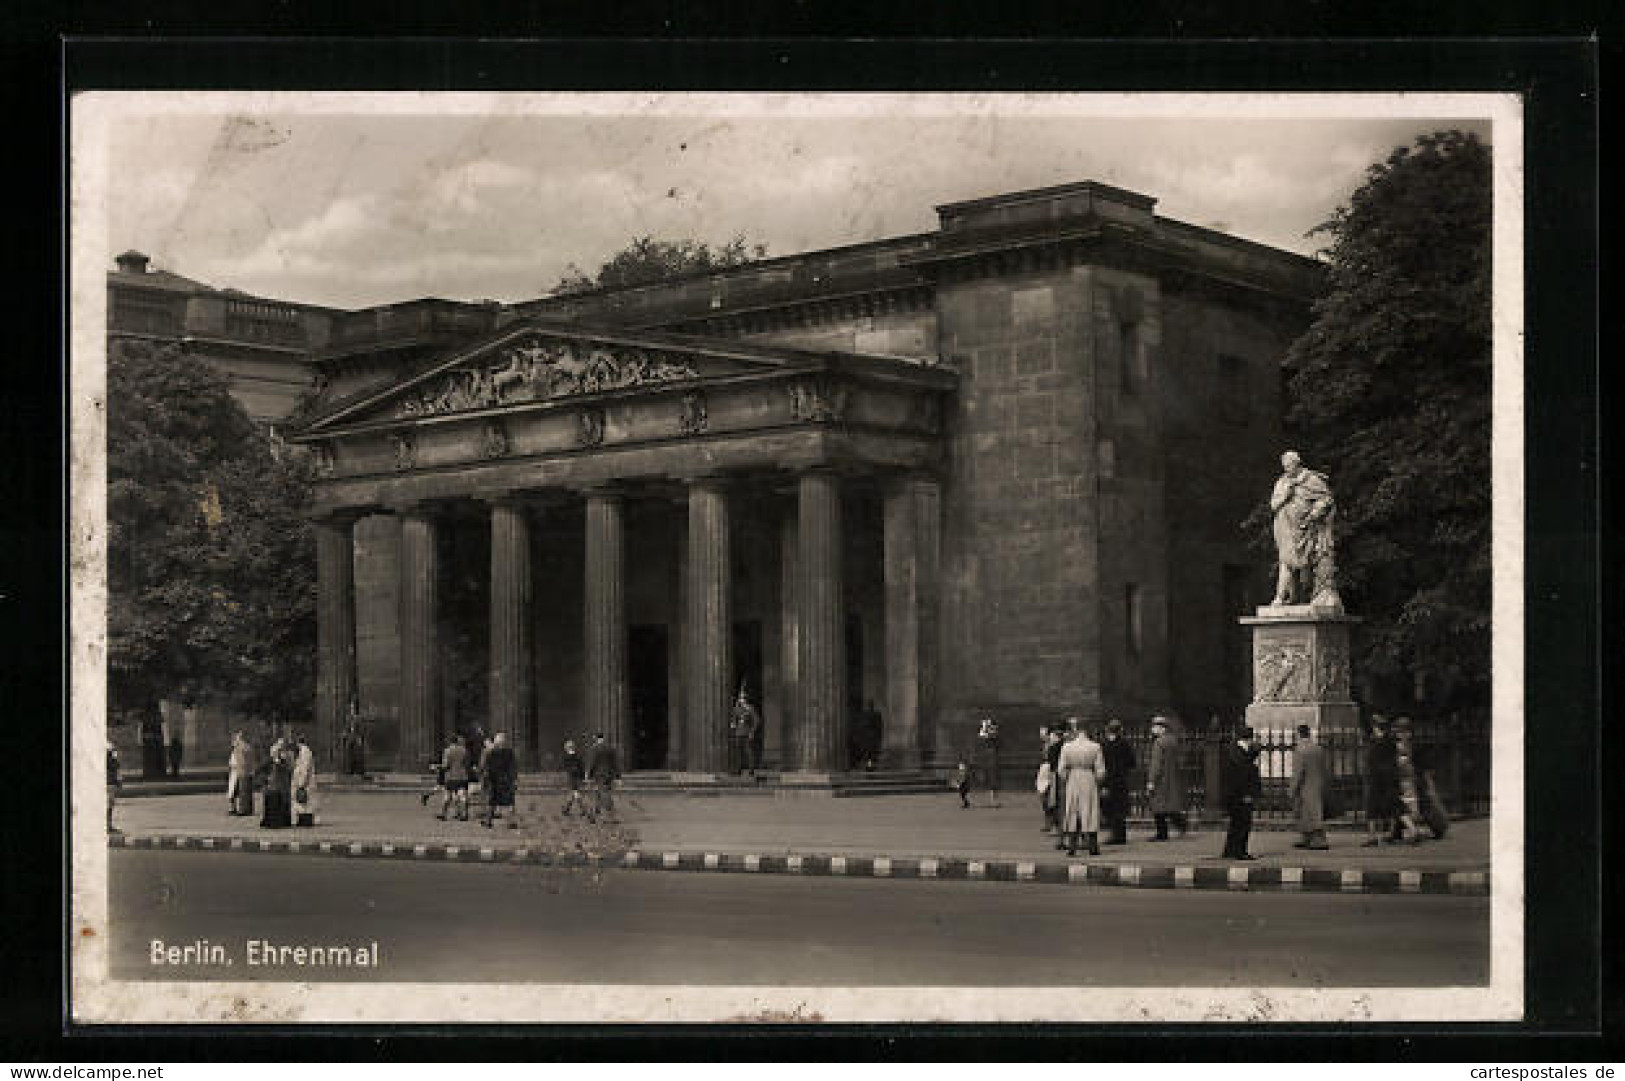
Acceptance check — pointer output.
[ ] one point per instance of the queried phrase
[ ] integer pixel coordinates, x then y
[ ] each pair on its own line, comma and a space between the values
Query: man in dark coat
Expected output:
603, 769
1381, 781
1242, 786
177, 749
1163, 783
499, 775
1114, 796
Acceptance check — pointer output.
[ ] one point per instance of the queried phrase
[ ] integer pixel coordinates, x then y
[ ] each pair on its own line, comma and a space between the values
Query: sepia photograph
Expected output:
796, 557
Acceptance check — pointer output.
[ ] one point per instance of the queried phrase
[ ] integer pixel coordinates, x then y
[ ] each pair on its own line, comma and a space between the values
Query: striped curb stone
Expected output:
1056, 872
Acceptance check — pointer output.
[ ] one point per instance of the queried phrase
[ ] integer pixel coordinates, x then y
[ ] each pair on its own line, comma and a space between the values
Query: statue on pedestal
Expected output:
1303, 507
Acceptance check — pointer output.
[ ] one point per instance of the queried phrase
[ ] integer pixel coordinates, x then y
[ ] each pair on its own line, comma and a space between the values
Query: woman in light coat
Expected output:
303, 783
240, 779
1082, 768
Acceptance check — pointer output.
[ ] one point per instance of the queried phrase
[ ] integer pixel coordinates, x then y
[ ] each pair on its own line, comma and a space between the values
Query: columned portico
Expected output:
707, 627
605, 620
420, 645
511, 691
611, 468
818, 723
335, 628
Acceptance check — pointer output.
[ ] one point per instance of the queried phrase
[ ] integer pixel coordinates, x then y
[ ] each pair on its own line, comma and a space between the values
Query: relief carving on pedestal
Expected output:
818, 399
1281, 673
693, 419
540, 368
495, 442
406, 449
590, 427
1332, 673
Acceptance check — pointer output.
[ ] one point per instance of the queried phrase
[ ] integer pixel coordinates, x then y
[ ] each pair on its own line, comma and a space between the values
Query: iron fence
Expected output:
1456, 750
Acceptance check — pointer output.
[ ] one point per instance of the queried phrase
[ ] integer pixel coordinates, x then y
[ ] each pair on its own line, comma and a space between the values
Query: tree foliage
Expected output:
1390, 394
645, 261
210, 560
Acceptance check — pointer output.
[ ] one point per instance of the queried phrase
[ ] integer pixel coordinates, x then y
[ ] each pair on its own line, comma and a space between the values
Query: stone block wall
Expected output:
1020, 557
1222, 403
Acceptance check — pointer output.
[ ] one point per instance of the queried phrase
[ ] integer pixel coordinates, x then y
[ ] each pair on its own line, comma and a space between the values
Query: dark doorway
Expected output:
646, 674
854, 689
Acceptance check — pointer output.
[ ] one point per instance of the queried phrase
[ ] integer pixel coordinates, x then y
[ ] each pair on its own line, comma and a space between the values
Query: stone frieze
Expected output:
538, 369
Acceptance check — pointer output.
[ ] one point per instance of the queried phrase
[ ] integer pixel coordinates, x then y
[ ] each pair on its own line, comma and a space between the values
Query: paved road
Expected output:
518, 923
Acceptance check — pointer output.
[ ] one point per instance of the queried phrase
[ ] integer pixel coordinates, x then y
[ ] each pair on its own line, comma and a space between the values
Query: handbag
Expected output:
1044, 779
300, 795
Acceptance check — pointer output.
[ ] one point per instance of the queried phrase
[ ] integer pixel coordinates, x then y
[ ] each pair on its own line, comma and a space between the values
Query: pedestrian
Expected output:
575, 773
454, 778
1045, 781
1309, 789
240, 776
152, 749
604, 770
1114, 797
355, 748
176, 750
1162, 781
1381, 781
987, 758
1082, 768
1408, 813
1242, 786
114, 782
303, 783
500, 776
963, 781
742, 722
278, 770
1052, 758
437, 767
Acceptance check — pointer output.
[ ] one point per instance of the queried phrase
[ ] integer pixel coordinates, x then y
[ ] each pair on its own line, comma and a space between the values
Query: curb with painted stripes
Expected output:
1138, 876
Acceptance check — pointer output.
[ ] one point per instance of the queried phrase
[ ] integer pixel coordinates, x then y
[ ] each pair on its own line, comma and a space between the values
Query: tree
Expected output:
210, 561
1389, 392
646, 260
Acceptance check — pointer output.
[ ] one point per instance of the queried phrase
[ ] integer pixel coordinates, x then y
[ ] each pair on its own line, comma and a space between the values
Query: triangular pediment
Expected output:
531, 363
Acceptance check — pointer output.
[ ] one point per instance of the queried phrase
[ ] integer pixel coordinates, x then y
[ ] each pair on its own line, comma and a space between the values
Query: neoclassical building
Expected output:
995, 468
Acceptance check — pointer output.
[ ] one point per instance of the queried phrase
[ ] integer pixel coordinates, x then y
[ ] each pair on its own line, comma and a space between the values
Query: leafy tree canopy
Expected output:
646, 260
1390, 394
210, 561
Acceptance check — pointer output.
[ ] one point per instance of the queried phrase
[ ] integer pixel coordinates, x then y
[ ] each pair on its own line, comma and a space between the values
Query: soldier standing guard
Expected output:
743, 724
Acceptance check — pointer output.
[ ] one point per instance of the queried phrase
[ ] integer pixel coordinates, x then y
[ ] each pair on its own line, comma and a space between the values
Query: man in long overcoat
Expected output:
1242, 786
1309, 781
1114, 797
1082, 767
1162, 781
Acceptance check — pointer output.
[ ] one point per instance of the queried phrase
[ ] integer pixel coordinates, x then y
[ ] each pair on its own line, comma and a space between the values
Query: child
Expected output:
962, 784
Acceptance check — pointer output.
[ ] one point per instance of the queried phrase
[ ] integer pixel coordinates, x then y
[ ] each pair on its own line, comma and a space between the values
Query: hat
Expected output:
1303, 730
1114, 725
1159, 721
1244, 732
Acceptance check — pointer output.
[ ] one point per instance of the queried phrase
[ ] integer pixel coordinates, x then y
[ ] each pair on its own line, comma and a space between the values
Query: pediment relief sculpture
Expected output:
539, 369
406, 449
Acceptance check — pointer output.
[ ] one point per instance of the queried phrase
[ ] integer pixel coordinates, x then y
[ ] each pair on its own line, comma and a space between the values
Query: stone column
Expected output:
605, 622
707, 628
819, 739
420, 645
780, 740
928, 601
511, 686
335, 634
910, 559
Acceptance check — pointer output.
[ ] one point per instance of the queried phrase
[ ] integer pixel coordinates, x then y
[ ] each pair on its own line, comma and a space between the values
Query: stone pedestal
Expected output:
1301, 670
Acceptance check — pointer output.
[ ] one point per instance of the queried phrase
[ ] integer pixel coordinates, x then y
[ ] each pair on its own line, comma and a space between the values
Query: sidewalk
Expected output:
887, 835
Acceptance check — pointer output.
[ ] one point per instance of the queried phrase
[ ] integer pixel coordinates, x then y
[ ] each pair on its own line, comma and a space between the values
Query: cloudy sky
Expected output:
344, 206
